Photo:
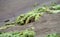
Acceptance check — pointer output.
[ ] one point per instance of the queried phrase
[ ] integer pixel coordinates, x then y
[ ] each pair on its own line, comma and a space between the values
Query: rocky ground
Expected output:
48, 23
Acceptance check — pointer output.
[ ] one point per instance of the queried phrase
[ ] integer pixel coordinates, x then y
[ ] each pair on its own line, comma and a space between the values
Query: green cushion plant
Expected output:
24, 33
54, 35
34, 15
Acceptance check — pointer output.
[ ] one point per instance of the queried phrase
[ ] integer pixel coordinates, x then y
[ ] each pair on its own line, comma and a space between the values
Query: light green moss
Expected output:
54, 35
25, 33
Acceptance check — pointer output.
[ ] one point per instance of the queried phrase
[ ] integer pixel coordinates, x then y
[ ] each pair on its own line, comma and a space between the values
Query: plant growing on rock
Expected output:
28, 18
35, 14
25, 33
54, 35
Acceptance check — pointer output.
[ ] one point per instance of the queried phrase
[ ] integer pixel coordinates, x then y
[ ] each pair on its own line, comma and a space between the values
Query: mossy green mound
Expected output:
54, 35
26, 33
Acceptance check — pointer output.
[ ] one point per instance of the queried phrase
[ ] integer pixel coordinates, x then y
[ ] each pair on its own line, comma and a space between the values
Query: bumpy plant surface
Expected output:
54, 35
26, 33
33, 15
27, 18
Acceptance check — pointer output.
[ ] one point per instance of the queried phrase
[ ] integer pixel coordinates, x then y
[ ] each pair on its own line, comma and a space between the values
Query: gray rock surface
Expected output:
49, 23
